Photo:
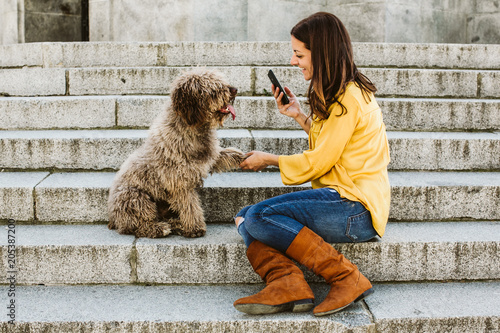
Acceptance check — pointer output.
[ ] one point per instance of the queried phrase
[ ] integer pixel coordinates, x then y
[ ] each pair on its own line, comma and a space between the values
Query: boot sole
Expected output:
257, 309
360, 298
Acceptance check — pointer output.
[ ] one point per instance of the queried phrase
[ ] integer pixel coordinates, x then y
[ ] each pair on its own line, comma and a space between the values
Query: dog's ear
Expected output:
188, 102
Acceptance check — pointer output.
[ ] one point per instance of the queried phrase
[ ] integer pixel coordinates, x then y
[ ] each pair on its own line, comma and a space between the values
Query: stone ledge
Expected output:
32, 82
416, 196
87, 112
392, 82
408, 252
61, 112
434, 307
424, 251
253, 80
137, 54
146, 80
250, 80
108, 149
166, 309
17, 194
69, 254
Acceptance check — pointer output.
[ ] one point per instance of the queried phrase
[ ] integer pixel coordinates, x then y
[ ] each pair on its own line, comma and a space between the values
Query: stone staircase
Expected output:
72, 112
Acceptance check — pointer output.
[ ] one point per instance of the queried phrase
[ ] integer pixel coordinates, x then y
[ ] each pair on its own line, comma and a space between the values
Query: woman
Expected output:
347, 165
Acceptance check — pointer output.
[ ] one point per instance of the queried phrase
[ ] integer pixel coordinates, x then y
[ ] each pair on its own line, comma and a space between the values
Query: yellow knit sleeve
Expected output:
326, 145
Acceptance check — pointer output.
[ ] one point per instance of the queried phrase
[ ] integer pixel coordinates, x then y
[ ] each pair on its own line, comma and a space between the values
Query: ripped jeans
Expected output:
277, 221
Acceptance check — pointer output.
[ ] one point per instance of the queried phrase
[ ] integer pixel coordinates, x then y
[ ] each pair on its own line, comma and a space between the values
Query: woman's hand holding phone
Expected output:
291, 109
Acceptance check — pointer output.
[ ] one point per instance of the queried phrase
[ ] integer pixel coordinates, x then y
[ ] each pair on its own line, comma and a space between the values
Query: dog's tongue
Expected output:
231, 109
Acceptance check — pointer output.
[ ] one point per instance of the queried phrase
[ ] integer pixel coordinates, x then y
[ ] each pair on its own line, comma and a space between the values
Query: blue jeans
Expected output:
277, 221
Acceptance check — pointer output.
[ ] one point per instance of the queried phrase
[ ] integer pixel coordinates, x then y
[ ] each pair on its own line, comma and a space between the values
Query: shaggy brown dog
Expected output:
154, 193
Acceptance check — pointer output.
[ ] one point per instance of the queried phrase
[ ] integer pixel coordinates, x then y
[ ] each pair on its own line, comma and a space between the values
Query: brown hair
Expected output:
332, 61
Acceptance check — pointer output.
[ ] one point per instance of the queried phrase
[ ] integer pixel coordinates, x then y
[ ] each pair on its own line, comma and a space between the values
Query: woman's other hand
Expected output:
258, 160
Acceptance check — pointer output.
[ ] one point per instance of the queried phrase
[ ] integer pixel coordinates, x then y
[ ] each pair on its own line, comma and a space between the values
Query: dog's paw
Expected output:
229, 158
153, 230
163, 229
176, 227
235, 153
194, 233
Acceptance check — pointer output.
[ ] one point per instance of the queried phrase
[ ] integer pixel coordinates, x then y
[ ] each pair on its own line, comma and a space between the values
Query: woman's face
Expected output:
302, 58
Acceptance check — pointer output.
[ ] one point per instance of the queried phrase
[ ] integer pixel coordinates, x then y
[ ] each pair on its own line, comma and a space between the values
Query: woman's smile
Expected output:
302, 58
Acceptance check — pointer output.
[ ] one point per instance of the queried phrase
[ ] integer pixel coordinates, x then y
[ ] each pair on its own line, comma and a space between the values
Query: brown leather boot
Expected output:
347, 284
286, 289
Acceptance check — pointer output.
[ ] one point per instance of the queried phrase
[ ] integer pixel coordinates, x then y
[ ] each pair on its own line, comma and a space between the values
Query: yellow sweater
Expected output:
349, 153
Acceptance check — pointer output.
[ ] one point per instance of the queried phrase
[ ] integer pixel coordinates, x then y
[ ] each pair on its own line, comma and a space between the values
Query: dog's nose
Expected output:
233, 91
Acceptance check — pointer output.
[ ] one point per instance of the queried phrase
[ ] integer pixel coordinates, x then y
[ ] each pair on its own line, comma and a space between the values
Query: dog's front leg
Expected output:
187, 204
228, 159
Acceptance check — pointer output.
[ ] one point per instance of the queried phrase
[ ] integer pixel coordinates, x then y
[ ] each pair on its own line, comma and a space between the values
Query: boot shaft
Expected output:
312, 251
270, 263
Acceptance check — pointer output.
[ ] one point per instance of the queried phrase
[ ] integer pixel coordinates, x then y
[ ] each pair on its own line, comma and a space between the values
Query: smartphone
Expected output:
276, 84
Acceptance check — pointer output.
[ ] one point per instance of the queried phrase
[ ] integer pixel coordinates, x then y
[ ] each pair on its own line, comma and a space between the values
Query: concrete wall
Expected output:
443, 21
10, 20
419, 21
52, 20
484, 25
433, 21
40, 21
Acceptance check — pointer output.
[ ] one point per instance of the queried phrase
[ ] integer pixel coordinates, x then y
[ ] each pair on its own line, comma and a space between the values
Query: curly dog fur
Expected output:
154, 193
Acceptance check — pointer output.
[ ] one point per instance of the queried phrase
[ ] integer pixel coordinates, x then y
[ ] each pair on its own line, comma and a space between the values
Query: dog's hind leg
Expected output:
135, 212
168, 215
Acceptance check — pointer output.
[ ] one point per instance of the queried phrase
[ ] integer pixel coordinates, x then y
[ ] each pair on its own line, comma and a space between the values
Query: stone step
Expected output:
92, 254
250, 80
87, 112
432, 307
41, 197
147, 54
107, 149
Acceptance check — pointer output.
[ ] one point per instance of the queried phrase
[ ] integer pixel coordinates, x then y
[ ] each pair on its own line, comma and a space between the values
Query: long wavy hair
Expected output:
332, 61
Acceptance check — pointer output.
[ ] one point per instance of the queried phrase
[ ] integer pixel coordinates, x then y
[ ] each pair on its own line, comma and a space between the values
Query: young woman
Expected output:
346, 164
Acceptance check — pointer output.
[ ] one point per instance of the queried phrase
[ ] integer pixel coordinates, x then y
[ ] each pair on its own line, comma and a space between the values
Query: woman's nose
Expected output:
293, 61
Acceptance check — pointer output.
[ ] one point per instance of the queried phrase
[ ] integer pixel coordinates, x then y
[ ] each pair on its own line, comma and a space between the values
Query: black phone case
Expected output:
276, 84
